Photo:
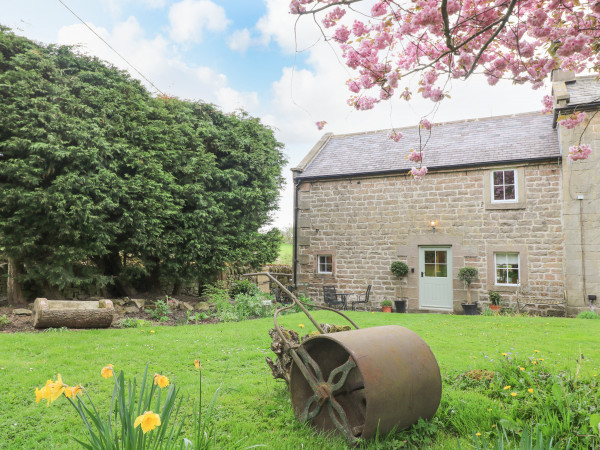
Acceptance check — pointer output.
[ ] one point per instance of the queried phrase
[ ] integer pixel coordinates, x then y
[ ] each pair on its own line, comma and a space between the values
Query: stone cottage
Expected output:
501, 195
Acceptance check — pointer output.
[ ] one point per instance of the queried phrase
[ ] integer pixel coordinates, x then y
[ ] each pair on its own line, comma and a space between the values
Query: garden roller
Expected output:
361, 382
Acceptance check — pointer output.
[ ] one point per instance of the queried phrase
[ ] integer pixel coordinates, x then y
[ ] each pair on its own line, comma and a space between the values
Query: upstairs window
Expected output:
325, 264
507, 269
504, 186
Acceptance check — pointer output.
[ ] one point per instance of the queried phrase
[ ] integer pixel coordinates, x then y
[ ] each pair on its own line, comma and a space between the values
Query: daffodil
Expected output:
51, 391
72, 391
149, 421
161, 380
107, 371
197, 364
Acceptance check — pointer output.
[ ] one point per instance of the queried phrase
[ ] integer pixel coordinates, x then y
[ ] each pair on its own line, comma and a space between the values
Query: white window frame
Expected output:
516, 184
322, 261
496, 268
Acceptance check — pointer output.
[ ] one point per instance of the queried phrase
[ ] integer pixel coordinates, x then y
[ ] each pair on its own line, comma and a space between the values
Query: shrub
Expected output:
588, 315
386, 303
160, 312
244, 287
4, 320
399, 268
494, 297
128, 322
467, 275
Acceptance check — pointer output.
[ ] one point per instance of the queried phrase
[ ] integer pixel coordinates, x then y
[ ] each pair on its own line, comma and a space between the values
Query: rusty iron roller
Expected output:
366, 380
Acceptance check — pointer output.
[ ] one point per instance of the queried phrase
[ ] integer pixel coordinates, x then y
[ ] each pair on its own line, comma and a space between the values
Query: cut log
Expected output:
72, 314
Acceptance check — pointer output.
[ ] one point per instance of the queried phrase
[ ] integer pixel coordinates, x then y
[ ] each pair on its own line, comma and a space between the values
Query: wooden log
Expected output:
72, 314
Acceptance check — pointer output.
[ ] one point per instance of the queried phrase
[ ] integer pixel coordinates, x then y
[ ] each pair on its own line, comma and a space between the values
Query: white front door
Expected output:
435, 277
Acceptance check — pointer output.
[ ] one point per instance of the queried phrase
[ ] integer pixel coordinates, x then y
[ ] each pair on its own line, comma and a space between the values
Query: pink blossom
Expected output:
426, 124
395, 135
379, 9
359, 28
341, 34
320, 124
415, 156
333, 16
353, 86
406, 94
581, 151
365, 103
548, 103
572, 120
418, 173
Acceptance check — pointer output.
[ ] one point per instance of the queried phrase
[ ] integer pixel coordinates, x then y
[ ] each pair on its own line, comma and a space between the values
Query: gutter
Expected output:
404, 171
295, 231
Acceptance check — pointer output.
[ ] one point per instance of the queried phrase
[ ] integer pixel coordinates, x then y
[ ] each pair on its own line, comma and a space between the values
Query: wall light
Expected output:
433, 226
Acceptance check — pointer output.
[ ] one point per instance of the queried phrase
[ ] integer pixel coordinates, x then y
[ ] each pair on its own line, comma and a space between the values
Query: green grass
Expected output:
285, 254
253, 408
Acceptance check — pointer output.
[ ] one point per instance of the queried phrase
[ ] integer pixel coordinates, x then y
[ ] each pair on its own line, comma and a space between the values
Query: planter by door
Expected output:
470, 309
386, 309
495, 308
400, 305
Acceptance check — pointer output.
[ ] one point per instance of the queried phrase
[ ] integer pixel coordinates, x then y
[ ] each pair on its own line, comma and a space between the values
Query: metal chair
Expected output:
362, 298
333, 299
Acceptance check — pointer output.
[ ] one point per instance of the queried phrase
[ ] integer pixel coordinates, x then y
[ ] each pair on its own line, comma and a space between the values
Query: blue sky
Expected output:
241, 54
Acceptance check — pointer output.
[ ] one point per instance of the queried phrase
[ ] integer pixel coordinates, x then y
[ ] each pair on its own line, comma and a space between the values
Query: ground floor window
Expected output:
507, 269
325, 264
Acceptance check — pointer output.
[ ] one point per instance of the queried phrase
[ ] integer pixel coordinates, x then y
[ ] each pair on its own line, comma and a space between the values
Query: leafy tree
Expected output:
105, 186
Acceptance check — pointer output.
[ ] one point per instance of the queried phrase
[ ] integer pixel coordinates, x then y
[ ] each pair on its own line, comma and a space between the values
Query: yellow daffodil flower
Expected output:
72, 391
149, 421
161, 380
51, 391
107, 371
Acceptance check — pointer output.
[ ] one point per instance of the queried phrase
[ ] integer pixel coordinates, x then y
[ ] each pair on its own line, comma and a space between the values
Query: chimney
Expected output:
562, 75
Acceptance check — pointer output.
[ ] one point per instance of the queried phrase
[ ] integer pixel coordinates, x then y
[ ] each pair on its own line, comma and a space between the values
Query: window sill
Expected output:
515, 205
505, 288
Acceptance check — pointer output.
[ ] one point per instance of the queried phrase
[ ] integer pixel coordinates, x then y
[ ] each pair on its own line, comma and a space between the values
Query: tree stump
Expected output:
72, 314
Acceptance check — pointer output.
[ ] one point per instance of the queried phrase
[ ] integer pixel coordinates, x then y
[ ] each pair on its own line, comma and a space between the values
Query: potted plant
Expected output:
467, 275
494, 300
400, 269
386, 306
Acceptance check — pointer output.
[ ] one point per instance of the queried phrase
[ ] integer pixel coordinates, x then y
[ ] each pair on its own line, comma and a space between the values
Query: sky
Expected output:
251, 55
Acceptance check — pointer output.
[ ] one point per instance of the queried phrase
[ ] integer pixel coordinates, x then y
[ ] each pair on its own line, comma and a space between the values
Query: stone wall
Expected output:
367, 223
581, 196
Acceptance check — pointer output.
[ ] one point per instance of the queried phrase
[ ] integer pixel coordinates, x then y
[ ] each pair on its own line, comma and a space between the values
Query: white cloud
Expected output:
240, 40
285, 29
189, 18
158, 60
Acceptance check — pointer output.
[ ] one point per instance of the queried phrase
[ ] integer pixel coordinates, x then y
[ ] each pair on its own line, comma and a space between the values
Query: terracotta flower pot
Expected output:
386, 309
495, 308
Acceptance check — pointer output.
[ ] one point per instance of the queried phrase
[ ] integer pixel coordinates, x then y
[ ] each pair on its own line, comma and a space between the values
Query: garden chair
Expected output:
362, 298
333, 299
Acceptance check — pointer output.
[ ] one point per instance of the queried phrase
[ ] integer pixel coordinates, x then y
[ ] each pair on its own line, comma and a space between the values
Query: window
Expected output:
435, 263
507, 268
504, 186
325, 264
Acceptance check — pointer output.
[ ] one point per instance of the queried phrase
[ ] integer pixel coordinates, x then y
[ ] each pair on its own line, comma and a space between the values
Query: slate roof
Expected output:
583, 90
477, 142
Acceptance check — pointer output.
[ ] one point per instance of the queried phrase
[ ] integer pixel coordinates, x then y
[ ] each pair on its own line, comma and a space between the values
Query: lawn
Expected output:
285, 254
253, 408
